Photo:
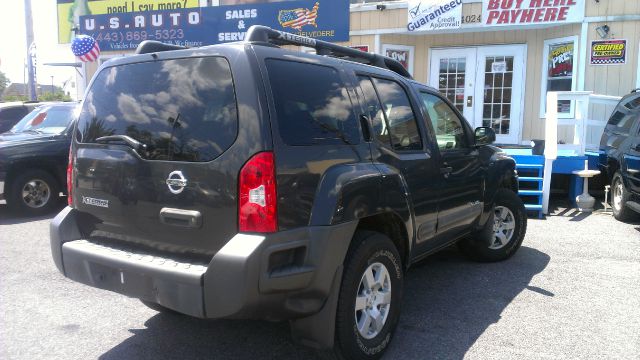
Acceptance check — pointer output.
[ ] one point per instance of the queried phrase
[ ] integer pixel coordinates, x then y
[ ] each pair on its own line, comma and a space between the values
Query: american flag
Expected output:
297, 18
85, 47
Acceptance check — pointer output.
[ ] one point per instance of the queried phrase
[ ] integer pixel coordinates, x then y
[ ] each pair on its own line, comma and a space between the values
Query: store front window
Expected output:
559, 69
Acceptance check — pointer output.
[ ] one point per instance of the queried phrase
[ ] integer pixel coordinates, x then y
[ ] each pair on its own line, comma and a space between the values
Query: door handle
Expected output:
446, 171
181, 217
469, 101
366, 128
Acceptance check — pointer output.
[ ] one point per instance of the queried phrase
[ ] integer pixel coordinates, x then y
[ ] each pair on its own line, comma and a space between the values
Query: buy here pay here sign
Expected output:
531, 12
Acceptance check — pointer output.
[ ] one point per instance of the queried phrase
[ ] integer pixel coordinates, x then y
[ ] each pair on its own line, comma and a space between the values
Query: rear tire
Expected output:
619, 197
503, 233
34, 192
370, 297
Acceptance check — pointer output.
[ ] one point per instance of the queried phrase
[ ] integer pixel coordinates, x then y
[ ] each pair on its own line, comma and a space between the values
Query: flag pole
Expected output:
30, 50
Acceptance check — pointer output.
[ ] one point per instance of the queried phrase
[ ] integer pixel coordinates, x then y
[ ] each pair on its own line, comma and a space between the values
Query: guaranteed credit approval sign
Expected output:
430, 15
531, 12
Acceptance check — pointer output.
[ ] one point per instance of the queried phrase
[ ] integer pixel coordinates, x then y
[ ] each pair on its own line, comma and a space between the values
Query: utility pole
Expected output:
28, 22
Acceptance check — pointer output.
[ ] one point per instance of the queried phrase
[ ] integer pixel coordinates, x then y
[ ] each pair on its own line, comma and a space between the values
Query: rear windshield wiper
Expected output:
133, 143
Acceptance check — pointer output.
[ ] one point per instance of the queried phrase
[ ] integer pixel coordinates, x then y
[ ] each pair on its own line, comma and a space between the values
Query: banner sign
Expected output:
70, 11
325, 20
608, 52
402, 56
560, 60
402, 53
429, 15
531, 12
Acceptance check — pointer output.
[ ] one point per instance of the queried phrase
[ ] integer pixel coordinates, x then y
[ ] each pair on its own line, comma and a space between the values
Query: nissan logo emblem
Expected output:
176, 182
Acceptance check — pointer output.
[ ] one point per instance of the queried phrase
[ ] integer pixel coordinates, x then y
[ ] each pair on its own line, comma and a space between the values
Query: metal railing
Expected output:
586, 130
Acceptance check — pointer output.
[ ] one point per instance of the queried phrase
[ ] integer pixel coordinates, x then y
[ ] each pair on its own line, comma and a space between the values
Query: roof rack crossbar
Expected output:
152, 46
264, 34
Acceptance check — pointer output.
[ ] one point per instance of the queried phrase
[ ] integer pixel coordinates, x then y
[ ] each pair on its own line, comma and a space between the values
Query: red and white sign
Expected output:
531, 12
364, 48
401, 53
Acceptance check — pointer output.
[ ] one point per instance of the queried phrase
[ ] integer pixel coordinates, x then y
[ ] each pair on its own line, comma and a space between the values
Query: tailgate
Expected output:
177, 191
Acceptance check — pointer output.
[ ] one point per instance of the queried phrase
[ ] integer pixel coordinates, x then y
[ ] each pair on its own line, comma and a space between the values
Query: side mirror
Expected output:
485, 136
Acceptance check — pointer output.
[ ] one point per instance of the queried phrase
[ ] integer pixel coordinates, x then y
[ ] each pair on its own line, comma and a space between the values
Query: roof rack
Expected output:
151, 46
264, 34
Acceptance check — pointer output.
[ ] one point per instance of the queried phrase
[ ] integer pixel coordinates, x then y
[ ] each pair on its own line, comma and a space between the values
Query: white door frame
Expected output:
517, 88
638, 74
470, 72
476, 54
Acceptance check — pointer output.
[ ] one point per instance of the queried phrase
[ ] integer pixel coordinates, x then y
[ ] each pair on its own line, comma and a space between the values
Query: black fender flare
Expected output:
501, 174
349, 192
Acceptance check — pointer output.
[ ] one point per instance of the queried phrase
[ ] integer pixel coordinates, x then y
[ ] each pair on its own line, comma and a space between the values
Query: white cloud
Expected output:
131, 110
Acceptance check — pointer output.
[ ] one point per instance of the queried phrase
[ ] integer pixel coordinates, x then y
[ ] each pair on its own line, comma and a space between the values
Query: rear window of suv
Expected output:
625, 115
182, 109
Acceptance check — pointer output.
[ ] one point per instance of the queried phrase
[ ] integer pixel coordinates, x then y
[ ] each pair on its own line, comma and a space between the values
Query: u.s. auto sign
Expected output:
531, 12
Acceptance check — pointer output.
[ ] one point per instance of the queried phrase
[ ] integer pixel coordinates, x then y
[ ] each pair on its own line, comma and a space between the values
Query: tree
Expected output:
55, 96
15, 98
4, 81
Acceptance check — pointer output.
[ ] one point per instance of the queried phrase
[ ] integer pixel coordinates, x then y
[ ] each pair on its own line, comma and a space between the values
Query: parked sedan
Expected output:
34, 156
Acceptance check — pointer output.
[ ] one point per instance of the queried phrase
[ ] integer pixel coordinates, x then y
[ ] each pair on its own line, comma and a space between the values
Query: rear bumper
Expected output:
285, 275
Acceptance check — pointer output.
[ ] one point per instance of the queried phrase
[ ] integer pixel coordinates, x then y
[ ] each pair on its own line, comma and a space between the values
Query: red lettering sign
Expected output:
525, 12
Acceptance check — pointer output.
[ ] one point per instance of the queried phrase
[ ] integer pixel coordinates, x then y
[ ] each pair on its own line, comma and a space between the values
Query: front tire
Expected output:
503, 233
34, 192
370, 297
619, 197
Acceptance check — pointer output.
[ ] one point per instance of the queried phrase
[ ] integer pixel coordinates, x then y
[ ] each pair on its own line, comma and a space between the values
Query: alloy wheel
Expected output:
36, 193
373, 300
504, 224
618, 190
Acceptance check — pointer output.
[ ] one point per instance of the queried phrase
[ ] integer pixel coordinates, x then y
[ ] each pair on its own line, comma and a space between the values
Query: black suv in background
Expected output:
620, 157
248, 181
12, 112
33, 158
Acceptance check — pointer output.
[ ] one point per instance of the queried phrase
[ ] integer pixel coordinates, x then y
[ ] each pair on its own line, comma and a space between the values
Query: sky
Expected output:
13, 46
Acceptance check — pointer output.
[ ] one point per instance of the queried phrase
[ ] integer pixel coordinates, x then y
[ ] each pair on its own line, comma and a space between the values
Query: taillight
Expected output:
257, 195
70, 179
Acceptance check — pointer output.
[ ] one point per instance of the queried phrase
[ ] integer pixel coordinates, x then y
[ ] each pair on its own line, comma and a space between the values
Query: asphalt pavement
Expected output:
571, 292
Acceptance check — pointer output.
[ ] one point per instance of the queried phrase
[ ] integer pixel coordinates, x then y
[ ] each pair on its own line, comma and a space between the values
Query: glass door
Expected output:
485, 84
499, 94
453, 72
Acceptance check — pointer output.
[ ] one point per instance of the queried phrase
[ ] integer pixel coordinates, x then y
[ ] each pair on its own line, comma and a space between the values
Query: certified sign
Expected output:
608, 52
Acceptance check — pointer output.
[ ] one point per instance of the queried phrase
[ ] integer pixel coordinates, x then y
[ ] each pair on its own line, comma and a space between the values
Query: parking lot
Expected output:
572, 291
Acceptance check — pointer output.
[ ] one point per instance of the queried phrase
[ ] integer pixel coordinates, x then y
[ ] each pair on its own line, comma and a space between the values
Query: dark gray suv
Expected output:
248, 181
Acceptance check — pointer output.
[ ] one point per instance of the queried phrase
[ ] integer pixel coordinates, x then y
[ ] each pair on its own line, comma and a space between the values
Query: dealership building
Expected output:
494, 60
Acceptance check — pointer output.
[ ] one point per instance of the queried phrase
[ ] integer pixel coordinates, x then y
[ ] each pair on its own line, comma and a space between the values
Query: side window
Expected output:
448, 127
13, 113
312, 104
373, 110
401, 122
